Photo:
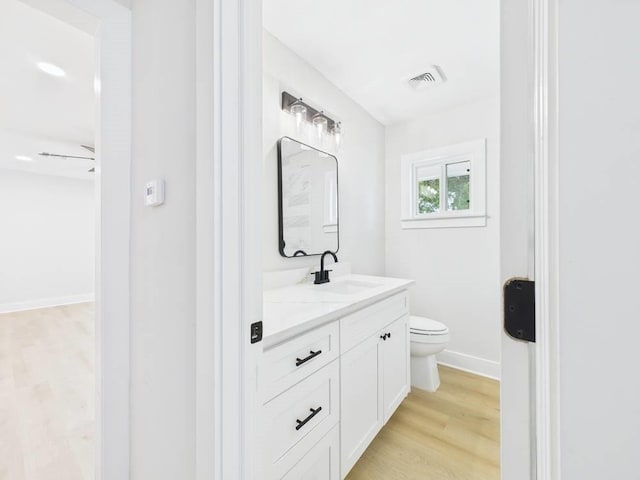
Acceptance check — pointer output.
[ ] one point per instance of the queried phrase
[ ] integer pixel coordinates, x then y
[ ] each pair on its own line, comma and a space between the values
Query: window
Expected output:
445, 187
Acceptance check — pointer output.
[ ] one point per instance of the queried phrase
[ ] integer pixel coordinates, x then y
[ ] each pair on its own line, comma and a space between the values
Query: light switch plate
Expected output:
154, 193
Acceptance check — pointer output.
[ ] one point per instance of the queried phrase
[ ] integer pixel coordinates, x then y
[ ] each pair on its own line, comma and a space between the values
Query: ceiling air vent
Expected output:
432, 77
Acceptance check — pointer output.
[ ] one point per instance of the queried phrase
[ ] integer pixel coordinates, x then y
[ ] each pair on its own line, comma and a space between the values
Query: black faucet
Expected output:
323, 275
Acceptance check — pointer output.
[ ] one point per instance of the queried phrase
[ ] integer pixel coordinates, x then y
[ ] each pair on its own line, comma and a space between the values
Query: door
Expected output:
395, 366
361, 415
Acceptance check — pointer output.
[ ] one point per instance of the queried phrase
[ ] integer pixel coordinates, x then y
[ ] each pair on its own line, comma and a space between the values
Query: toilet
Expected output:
428, 338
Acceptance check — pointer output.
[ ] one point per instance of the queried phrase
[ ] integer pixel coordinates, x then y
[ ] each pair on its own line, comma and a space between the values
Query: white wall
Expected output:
47, 242
599, 242
163, 241
456, 269
360, 165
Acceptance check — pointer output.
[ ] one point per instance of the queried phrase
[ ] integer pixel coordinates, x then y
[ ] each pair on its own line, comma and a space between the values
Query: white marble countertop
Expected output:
292, 310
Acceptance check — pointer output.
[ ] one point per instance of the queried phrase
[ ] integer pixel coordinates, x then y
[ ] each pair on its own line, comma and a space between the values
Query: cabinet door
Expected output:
322, 462
360, 400
395, 365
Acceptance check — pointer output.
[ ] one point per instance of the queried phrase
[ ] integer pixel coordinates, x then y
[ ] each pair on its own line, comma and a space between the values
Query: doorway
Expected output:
518, 388
416, 122
48, 277
104, 450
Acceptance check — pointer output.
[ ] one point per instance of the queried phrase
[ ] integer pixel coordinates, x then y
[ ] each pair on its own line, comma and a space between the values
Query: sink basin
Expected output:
348, 287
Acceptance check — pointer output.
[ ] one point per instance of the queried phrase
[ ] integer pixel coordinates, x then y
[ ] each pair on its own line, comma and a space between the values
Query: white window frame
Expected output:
473, 151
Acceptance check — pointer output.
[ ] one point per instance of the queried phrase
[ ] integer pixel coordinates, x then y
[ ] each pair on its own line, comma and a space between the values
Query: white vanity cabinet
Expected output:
374, 373
396, 373
361, 389
327, 392
374, 380
299, 382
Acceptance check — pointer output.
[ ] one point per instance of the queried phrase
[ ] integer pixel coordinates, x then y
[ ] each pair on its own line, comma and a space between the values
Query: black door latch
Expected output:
520, 309
256, 332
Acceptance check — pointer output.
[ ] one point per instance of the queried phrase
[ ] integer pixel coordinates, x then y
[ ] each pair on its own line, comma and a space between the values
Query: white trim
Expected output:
469, 363
237, 134
205, 362
228, 241
546, 242
46, 302
445, 221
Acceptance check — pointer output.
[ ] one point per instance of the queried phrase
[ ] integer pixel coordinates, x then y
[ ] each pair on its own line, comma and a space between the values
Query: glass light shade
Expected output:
338, 134
320, 125
299, 111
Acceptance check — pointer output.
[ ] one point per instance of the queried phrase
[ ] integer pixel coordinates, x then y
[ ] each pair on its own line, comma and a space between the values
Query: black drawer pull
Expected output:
312, 354
302, 423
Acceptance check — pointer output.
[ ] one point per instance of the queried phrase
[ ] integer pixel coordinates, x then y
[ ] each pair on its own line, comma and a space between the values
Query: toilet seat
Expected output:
426, 326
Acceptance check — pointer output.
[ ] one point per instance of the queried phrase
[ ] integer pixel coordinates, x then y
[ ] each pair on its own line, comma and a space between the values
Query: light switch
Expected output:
154, 193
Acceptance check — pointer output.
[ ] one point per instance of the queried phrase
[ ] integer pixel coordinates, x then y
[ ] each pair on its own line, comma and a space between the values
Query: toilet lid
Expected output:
426, 326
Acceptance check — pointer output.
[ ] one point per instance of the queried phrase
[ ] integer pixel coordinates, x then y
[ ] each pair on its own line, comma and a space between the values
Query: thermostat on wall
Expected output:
154, 193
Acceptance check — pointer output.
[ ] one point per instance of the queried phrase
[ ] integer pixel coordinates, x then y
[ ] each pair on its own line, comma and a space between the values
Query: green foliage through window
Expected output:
428, 196
458, 179
458, 193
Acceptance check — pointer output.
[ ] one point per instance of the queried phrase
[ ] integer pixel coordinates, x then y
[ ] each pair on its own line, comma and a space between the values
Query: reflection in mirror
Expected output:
308, 199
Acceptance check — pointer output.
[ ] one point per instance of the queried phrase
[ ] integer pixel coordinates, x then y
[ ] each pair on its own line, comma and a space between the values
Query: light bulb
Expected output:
338, 134
299, 111
320, 124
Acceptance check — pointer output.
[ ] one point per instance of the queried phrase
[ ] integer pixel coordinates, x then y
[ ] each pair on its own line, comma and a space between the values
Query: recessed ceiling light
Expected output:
51, 69
24, 158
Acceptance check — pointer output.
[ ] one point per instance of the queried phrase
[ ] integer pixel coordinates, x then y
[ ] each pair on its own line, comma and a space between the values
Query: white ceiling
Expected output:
370, 48
40, 112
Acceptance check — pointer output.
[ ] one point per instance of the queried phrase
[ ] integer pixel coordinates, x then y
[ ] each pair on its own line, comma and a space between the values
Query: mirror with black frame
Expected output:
307, 199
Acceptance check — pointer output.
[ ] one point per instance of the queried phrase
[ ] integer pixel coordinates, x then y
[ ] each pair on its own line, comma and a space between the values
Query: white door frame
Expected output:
530, 415
528, 45
113, 202
237, 277
547, 393
113, 169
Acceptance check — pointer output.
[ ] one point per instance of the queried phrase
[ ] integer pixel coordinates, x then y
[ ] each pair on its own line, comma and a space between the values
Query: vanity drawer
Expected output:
360, 325
322, 462
297, 419
286, 364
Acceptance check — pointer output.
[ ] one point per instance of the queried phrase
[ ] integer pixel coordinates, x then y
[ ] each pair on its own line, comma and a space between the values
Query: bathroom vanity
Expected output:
335, 368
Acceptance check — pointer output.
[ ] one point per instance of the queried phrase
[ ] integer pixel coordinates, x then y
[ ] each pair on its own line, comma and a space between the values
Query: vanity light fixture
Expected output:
322, 123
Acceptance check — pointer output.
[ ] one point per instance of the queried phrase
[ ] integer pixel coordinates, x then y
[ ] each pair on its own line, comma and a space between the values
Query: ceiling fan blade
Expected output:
47, 154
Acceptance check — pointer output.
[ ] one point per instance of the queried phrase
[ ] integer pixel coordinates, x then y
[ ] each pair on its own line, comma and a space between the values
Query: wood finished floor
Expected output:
47, 411
453, 434
47, 394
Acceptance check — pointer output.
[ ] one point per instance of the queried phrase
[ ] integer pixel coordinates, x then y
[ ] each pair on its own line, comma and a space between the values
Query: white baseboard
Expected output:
46, 302
469, 363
